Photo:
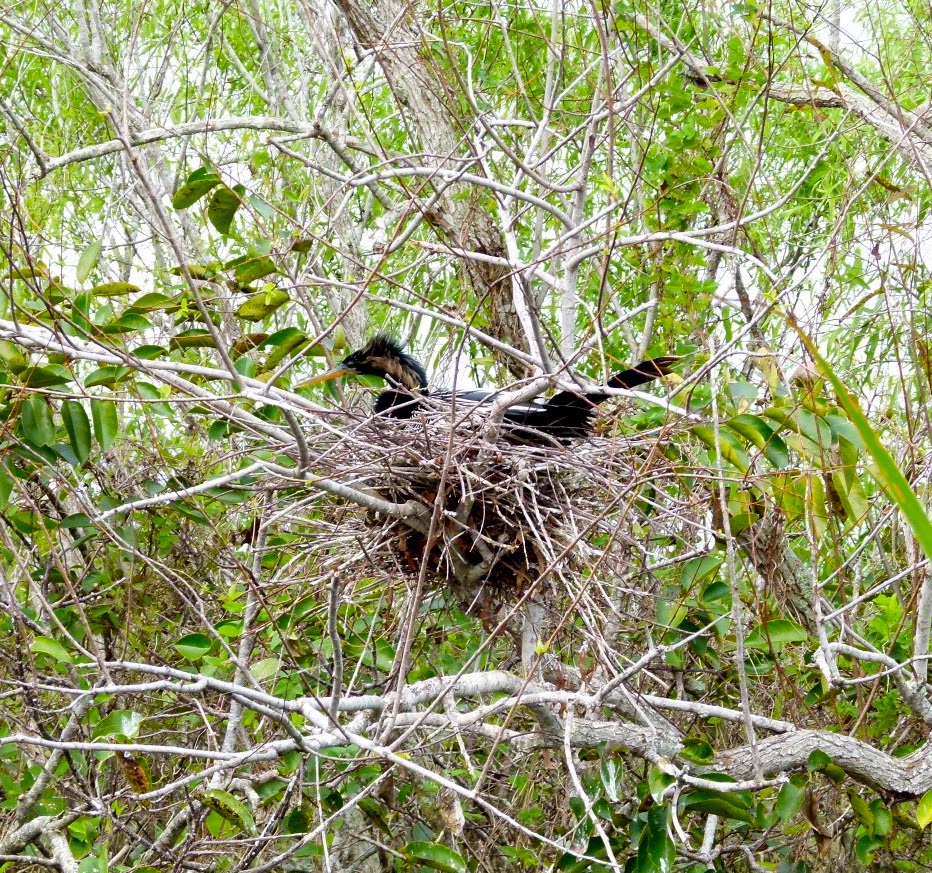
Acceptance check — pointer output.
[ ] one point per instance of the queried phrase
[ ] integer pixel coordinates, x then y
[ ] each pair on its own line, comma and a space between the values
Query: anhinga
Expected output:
566, 415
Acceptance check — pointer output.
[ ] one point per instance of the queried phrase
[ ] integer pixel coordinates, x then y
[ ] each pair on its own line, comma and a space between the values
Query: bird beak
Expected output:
335, 373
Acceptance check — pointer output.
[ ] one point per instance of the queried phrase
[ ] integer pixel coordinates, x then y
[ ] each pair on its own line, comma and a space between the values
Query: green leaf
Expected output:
262, 304
199, 272
128, 322
299, 820
149, 352
36, 421
883, 818
106, 422
435, 857
658, 781
265, 668
50, 647
697, 750
45, 377
88, 260
885, 469
194, 338
862, 812
776, 633
230, 808
196, 186
253, 267
844, 428
75, 521
757, 432
6, 486
108, 375
193, 646
120, 723
817, 760
924, 809
283, 343
152, 300
78, 427
789, 801
223, 205
376, 813
698, 570
727, 804
732, 451
655, 849
114, 289
865, 847
714, 592
13, 357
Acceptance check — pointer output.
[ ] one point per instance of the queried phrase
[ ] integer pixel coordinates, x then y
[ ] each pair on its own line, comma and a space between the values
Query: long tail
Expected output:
646, 371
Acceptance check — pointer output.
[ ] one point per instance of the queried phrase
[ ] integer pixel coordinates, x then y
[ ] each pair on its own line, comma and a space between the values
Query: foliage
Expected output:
251, 627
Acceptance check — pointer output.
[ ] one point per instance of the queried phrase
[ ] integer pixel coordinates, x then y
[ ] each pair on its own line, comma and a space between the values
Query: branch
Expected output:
910, 776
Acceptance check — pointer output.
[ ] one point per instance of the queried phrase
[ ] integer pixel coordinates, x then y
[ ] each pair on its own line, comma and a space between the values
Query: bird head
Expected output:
382, 356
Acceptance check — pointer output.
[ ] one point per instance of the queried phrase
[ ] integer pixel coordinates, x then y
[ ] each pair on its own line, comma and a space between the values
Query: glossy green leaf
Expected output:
196, 186
777, 633
732, 450
114, 289
697, 750
88, 260
224, 203
230, 808
149, 352
862, 812
194, 338
48, 376
106, 422
108, 375
655, 848
36, 421
883, 818
789, 801
6, 486
255, 267
924, 810
865, 847
13, 356
123, 723
193, 646
283, 343
435, 857
698, 570
78, 427
75, 521
52, 648
727, 804
128, 322
152, 301
262, 304
760, 434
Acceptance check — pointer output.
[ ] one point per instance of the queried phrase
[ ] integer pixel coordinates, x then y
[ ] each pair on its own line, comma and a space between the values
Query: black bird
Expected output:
566, 415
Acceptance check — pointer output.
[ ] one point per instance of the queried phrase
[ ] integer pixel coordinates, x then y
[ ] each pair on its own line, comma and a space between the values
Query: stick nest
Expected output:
500, 520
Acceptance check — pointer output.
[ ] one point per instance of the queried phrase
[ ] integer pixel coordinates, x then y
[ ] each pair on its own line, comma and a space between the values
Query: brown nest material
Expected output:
501, 521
